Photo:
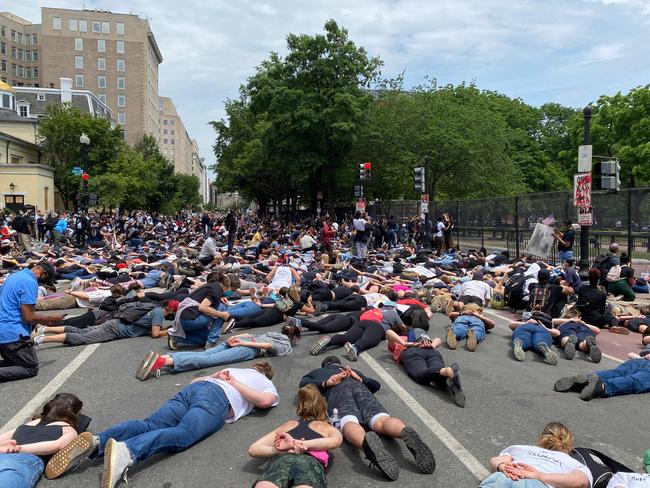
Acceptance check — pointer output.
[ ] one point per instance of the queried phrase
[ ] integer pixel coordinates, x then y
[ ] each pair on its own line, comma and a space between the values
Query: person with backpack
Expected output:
571, 283
545, 296
149, 322
623, 286
534, 335
548, 463
592, 303
604, 262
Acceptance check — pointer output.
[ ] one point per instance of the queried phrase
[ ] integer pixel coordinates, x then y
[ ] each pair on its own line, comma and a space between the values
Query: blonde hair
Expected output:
571, 313
311, 404
294, 293
556, 437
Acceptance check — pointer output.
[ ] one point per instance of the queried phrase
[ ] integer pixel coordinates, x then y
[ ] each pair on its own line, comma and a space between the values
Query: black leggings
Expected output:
348, 304
269, 316
82, 321
424, 365
363, 335
330, 324
180, 295
321, 294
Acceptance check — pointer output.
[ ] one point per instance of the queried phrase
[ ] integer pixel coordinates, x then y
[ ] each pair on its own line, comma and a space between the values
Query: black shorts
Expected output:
576, 329
287, 470
467, 299
633, 324
206, 261
353, 398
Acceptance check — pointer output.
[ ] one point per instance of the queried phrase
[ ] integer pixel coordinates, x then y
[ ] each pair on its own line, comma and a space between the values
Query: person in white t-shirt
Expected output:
546, 465
196, 412
629, 480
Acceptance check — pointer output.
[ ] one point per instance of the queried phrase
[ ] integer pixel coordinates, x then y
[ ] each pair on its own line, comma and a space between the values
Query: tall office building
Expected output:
113, 55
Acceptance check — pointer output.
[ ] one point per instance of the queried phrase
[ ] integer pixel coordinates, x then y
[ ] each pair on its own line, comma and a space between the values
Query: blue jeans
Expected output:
633, 376
20, 470
221, 354
461, 327
152, 278
243, 310
196, 412
532, 335
500, 480
202, 329
564, 255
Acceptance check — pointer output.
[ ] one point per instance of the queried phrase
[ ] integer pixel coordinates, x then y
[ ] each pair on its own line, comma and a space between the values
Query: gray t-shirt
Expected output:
281, 343
390, 318
208, 249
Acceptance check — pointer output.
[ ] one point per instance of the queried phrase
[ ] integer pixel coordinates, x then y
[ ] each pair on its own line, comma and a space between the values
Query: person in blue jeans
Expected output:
534, 335
196, 412
25, 450
632, 376
470, 325
238, 348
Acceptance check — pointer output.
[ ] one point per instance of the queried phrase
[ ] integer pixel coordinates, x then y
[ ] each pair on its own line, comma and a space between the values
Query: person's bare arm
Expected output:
205, 307
264, 447
157, 331
258, 398
29, 315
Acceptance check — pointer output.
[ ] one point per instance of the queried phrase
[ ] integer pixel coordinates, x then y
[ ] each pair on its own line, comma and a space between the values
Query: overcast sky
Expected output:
566, 51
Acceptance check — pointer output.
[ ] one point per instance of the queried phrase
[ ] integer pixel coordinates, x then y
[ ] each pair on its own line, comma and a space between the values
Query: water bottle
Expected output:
336, 421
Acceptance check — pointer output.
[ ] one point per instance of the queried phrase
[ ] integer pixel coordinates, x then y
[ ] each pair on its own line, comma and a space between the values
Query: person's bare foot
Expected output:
437, 342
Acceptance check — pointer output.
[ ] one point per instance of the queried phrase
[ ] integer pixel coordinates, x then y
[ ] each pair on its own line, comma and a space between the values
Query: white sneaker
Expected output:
38, 330
228, 326
38, 340
117, 460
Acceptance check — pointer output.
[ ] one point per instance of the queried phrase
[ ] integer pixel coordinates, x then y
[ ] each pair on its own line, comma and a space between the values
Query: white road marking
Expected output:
48, 390
496, 315
463, 455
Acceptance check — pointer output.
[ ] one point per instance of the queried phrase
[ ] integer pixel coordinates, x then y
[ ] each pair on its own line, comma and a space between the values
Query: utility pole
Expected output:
584, 229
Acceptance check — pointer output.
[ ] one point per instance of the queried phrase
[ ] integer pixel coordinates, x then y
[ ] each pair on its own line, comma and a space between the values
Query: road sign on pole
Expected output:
584, 158
77, 171
361, 205
582, 190
424, 198
586, 215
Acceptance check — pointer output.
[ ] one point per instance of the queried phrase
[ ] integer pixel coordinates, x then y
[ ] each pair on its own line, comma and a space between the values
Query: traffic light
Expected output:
368, 169
419, 183
84, 182
607, 175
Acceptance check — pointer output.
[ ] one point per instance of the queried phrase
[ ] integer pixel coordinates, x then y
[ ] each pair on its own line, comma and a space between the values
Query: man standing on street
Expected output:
17, 301
231, 227
81, 229
565, 239
23, 226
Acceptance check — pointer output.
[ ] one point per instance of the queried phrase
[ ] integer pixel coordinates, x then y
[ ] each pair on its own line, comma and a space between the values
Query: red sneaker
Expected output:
151, 364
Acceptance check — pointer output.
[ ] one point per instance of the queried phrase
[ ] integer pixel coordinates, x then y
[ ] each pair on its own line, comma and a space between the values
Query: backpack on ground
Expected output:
602, 467
540, 298
133, 311
514, 290
497, 302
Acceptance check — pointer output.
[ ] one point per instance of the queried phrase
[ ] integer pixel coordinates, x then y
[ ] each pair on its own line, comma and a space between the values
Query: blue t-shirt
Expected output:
143, 325
19, 289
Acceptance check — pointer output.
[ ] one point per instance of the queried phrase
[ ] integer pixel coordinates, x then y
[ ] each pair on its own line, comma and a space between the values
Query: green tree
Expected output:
58, 134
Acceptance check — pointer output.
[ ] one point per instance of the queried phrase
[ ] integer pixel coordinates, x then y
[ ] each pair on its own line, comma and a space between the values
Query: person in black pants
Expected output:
348, 304
269, 316
180, 295
364, 334
330, 324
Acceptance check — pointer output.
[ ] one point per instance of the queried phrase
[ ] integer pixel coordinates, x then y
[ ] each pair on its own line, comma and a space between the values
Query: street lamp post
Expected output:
584, 229
84, 140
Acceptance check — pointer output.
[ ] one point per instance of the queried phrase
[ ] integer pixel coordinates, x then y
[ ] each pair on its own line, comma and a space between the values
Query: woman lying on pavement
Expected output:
25, 450
533, 334
546, 464
338, 322
238, 348
300, 449
423, 362
369, 331
196, 412
572, 334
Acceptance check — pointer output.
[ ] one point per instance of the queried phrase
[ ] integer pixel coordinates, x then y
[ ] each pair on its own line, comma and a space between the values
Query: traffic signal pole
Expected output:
584, 229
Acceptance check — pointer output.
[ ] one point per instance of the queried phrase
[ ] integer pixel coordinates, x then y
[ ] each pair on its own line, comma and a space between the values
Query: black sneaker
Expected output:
379, 457
423, 456
569, 383
570, 347
595, 354
594, 389
455, 388
171, 342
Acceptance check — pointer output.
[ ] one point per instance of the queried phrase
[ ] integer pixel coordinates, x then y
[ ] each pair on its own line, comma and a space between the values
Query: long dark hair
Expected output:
64, 407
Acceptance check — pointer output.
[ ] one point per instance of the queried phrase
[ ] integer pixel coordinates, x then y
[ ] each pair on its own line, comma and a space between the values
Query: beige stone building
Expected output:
113, 55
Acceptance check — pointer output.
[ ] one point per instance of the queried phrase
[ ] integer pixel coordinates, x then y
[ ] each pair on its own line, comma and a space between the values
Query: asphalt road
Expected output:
507, 403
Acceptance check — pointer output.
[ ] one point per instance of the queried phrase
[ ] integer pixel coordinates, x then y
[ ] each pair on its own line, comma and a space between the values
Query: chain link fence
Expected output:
506, 223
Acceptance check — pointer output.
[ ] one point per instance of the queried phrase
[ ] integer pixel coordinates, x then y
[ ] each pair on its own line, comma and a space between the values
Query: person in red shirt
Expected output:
423, 362
326, 236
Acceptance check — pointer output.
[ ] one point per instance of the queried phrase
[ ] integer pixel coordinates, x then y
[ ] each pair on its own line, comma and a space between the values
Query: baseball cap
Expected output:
49, 271
646, 461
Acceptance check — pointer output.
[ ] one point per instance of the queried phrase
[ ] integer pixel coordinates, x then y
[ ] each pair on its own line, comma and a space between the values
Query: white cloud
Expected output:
540, 50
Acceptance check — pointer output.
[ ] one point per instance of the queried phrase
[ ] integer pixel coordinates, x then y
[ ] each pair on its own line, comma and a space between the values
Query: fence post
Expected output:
457, 229
630, 240
482, 229
517, 226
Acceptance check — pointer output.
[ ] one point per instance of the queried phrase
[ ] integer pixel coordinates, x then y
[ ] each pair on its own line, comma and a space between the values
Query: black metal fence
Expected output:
506, 223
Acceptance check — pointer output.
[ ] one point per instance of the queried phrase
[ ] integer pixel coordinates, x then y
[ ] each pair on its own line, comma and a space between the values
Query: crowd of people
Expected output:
205, 282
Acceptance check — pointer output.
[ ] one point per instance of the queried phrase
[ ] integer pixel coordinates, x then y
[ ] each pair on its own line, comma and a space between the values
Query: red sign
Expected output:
424, 198
582, 190
361, 205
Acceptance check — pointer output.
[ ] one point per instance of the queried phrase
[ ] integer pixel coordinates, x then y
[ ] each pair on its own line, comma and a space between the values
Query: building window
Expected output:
101, 46
78, 44
35, 73
120, 47
173, 132
3, 48
101, 64
40, 97
20, 38
96, 27
106, 27
83, 26
121, 118
120, 65
165, 122
165, 141
102, 98
101, 82
6, 101
165, 131
21, 55
28, 72
14, 52
121, 101
23, 109
121, 83
4, 65
172, 141
73, 25
119, 28
79, 80
56, 23
34, 55
3, 31
79, 62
